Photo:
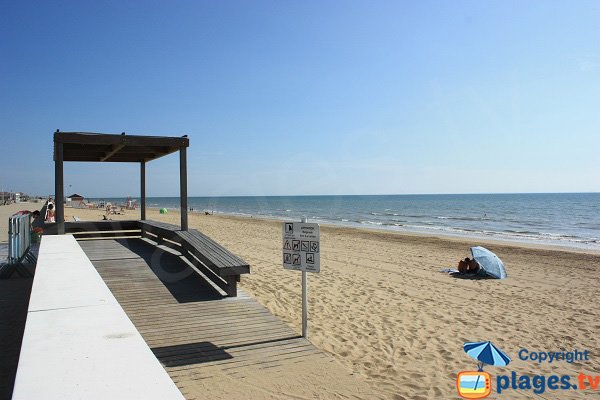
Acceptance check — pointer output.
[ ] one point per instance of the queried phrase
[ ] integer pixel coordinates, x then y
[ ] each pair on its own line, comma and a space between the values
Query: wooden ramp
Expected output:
211, 345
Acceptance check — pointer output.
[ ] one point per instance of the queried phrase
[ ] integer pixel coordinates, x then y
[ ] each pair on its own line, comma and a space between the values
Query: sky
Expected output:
307, 97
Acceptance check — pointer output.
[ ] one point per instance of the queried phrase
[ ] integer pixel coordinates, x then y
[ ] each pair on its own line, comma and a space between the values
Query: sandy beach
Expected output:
383, 309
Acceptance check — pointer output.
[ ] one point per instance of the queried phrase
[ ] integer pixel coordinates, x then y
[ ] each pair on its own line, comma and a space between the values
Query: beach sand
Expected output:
383, 309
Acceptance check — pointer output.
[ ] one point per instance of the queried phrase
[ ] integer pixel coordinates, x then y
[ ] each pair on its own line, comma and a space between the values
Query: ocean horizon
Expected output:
565, 219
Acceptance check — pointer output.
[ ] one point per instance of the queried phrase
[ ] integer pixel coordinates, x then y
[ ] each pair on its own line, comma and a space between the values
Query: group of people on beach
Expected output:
468, 266
49, 216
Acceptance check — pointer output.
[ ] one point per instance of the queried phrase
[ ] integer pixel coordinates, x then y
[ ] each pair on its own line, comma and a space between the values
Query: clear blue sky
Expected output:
322, 97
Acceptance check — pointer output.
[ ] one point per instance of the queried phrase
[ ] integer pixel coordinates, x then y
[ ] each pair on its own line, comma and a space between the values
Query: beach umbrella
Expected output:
489, 262
486, 353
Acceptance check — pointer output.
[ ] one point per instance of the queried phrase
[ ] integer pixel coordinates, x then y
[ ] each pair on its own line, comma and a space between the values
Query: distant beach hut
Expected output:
75, 197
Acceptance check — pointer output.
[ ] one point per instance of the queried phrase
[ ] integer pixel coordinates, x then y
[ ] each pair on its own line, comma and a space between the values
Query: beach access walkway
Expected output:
213, 346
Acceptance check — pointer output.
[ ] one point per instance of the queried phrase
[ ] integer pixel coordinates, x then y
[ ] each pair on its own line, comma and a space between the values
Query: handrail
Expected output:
19, 237
97, 229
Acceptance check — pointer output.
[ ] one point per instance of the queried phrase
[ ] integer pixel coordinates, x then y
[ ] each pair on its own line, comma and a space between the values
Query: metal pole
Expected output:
304, 300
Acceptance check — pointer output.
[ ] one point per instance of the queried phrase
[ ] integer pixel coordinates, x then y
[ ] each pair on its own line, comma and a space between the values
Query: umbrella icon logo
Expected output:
477, 384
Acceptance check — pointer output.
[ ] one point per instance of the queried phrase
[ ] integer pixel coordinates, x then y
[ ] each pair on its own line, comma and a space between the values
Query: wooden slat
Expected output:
112, 234
219, 252
212, 254
161, 225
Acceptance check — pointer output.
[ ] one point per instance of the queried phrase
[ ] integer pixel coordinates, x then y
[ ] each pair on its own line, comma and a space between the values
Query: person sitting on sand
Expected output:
468, 266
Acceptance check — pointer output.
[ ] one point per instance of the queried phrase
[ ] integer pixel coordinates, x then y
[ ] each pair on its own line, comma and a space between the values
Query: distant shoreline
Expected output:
413, 233
565, 220
347, 195
462, 236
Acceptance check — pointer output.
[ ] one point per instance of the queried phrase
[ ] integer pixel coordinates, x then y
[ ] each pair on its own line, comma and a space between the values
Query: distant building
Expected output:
12, 197
5, 197
75, 197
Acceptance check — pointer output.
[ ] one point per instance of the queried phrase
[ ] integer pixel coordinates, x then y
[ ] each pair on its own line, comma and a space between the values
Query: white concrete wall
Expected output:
78, 341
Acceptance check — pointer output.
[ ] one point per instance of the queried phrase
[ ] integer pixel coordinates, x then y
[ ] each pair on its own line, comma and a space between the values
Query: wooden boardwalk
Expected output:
14, 297
212, 345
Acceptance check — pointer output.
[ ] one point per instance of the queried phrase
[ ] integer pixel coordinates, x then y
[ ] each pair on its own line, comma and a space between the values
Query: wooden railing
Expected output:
98, 229
218, 264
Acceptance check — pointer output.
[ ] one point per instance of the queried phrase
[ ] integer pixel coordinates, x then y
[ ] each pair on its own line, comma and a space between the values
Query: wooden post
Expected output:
232, 285
59, 201
143, 190
183, 188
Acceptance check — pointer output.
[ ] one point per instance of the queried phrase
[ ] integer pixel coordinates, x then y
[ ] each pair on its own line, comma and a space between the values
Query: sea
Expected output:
565, 219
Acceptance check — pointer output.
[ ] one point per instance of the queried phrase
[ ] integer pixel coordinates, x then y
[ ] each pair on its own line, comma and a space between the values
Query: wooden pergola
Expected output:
101, 147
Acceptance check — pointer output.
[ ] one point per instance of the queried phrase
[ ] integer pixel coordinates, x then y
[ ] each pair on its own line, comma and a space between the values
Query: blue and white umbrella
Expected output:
489, 262
486, 353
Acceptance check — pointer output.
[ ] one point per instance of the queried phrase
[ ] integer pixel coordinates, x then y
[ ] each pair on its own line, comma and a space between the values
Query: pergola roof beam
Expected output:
103, 138
99, 147
115, 150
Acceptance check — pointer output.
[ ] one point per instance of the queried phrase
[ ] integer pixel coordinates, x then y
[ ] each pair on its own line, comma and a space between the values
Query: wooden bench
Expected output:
161, 230
218, 264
